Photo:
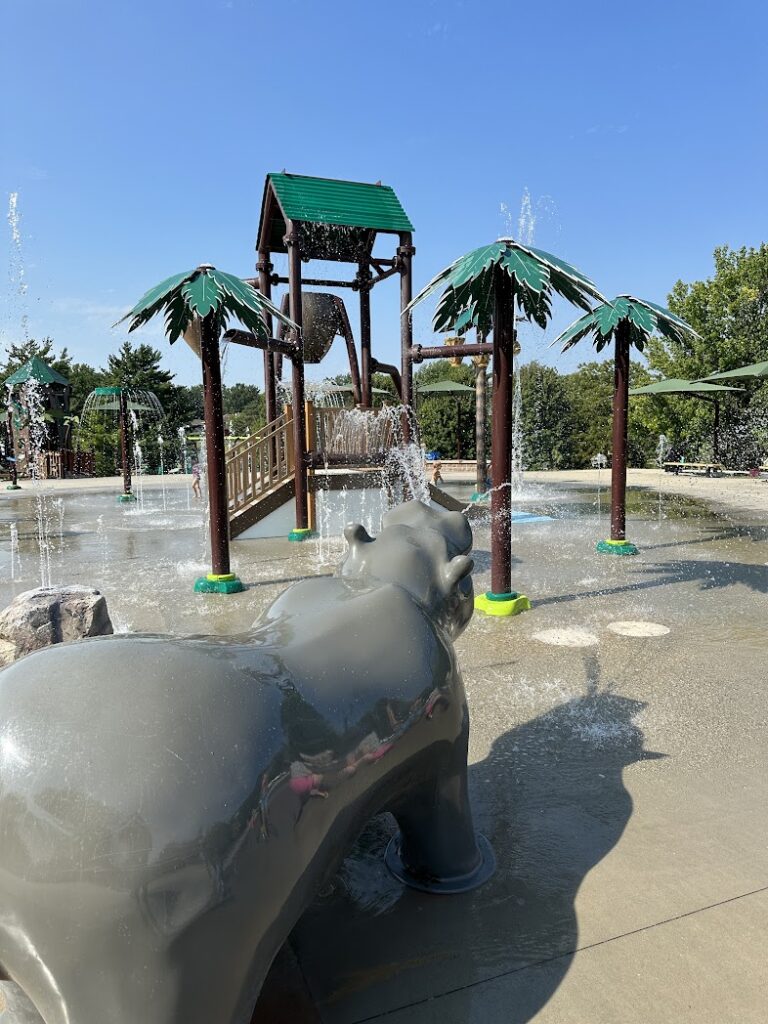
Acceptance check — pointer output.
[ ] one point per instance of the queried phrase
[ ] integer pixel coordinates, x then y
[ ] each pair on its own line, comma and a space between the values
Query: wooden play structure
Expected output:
37, 427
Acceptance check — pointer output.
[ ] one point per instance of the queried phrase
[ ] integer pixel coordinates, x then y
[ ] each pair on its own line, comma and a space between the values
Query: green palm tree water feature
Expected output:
214, 297
483, 289
625, 321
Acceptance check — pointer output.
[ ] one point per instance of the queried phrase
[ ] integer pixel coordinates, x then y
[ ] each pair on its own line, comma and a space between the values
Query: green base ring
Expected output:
303, 534
13, 487
615, 547
126, 497
212, 584
480, 496
502, 605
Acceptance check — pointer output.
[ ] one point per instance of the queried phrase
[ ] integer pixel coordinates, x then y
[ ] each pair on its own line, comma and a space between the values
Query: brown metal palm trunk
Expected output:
125, 441
501, 436
480, 416
213, 411
619, 448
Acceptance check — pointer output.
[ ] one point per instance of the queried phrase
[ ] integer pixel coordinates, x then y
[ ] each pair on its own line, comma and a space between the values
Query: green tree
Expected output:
237, 397
729, 311
82, 380
548, 427
440, 426
139, 369
248, 419
590, 394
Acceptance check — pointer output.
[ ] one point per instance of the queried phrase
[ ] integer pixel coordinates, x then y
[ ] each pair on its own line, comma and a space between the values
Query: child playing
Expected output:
196, 480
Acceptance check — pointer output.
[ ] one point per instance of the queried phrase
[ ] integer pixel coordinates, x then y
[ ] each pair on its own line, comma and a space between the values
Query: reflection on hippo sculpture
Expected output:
170, 806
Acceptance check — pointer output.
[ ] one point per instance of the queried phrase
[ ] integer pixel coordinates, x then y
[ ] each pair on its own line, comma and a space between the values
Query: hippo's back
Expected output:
120, 751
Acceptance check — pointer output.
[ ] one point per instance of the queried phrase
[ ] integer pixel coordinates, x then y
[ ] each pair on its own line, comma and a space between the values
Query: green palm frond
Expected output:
201, 292
468, 284
642, 319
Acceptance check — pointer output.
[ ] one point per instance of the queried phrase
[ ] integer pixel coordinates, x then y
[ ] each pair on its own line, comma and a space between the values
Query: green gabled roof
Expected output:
35, 369
329, 201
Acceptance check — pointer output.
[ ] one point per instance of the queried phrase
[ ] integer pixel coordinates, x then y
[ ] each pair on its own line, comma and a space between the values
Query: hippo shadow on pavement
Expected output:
551, 799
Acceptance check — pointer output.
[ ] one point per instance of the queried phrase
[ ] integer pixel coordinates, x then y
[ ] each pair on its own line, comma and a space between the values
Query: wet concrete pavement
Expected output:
621, 782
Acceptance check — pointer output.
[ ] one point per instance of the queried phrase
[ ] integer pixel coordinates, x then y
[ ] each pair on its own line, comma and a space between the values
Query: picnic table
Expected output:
707, 468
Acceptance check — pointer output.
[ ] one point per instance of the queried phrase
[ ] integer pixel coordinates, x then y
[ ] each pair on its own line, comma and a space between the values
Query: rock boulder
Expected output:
51, 615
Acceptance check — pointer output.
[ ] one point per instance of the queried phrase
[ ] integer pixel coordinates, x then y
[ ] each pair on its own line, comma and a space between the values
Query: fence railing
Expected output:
64, 462
259, 463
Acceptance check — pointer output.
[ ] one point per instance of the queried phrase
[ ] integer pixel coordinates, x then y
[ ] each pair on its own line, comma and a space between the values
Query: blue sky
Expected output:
138, 135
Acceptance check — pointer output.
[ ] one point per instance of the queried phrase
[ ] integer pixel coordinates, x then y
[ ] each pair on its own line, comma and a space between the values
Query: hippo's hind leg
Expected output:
437, 849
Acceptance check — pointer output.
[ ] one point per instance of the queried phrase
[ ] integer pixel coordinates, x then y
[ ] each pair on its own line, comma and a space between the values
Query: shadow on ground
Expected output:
551, 798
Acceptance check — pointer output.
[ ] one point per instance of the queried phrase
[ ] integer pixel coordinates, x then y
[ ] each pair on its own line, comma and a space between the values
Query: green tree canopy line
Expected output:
566, 416
138, 367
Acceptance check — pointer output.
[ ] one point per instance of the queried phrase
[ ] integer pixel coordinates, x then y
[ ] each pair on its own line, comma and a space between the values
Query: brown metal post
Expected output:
309, 419
501, 437
264, 268
716, 433
481, 363
12, 452
405, 254
619, 446
297, 378
125, 441
213, 412
364, 277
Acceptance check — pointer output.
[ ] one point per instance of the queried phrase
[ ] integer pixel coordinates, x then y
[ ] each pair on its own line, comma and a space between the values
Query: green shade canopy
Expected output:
677, 386
753, 370
200, 292
643, 318
469, 285
444, 387
35, 369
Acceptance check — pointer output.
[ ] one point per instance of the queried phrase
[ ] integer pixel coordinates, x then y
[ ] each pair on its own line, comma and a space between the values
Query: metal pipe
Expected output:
125, 432
349, 340
213, 411
501, 439
392, 371
320, 282
619, 445
297, 378
364, 275
420, 352
275, 345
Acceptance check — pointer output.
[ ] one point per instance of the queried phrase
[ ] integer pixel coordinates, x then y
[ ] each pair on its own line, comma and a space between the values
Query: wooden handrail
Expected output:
259, 464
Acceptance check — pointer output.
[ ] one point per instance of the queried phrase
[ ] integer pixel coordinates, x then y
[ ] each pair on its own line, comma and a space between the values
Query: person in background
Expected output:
437, 476
196, 480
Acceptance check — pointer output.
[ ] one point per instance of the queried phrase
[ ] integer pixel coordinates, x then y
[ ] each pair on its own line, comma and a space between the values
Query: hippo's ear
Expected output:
457, 569
356, 533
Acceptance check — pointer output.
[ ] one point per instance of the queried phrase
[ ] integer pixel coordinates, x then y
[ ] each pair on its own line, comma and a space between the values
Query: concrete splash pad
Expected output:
631, 886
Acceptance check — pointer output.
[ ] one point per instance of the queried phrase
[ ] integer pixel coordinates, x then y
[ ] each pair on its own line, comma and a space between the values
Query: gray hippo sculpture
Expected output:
169, 806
